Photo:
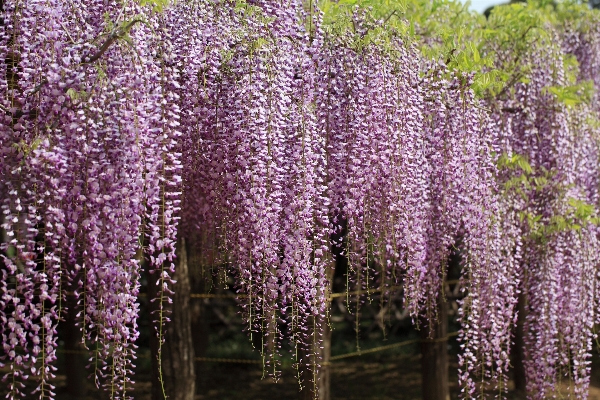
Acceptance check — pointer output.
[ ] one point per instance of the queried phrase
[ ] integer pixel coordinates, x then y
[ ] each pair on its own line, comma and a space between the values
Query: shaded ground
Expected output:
392, 374
377, 377
380, 377
396, 378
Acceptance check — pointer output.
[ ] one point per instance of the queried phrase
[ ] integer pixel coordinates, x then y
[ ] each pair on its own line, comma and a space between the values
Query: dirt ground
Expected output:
395, 378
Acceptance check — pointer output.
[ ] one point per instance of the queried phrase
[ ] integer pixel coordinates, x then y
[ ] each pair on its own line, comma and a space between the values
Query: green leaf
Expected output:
157, 5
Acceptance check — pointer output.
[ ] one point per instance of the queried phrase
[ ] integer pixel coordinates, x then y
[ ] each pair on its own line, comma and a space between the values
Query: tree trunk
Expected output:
434, 355
75, 355
318, 390
178, 370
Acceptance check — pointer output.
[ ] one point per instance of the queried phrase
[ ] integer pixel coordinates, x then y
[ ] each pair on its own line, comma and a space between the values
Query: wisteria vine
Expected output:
269, 130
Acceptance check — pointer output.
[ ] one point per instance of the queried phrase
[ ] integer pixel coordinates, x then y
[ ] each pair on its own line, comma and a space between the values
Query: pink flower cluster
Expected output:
555, 242
88, 170
254, 161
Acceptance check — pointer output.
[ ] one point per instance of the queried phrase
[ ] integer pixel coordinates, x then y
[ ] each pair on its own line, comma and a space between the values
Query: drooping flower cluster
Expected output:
87, 142
553, 190
254, 162
581, 38
465, 214
411, 174
370, 111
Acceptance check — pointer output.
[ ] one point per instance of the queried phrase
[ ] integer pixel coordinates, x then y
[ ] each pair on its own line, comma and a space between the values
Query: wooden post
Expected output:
517, 352
178, 369
319, 389
434, 355
199, 313
199, 283
75, 354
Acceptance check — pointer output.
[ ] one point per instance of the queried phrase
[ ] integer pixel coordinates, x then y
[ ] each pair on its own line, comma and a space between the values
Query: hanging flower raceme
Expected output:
254, 164
80, 115
371, 112
581, 39
551, 182
463, 215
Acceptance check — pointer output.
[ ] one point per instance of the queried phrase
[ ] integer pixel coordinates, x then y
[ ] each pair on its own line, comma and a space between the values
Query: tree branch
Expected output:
116, 34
